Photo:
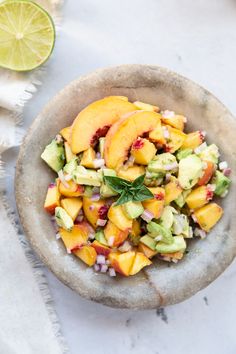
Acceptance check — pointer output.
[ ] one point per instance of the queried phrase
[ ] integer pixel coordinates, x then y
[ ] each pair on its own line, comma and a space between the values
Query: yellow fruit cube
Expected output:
87, 254
52, 198
76, 238
73, 190
88, 158
175, 140
193, 140
114, 234
118, 217
157, 135
155, 205
140, 261
177, 121
148, 252
131, 173
72, 206
208, 215
146, 106
199, 197
143, 151
122, 262
172, 190
93, 210
66, 133
69, 154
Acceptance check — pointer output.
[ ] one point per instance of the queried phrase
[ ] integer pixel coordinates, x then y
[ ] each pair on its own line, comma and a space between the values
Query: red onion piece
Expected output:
112, 272
168, 114
223, 165
227, 171
147, 215
101, 259
125, 247
96, 267
111, 241
101, 222
171, 166
98, 163
62, 179
104, 268
95, 197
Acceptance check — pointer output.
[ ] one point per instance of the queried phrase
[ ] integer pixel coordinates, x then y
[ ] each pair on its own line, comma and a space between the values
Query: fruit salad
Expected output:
132, 185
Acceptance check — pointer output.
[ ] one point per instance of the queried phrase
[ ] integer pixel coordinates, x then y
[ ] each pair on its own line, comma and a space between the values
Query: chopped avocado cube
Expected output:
153, 179
54, 155
180, 201
133, 209
190, 169
155, 230
178, 245
181, 226
167, 217
106, 191
88, 191
81, 175
222, 183
161, 161
63, 219
71, 166
148, 241
181, 154
99, 236
210, 153
101, 146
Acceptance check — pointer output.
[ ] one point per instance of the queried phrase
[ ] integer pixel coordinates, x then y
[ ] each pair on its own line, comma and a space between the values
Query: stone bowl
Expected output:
160, 284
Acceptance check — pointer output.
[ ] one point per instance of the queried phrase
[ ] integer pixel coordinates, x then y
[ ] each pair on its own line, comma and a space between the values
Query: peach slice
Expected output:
122, 262
148, 252
157, 135
143, 151
208, 172
52, 198
72, 206
146, 106
87, 254
140, 261
69, 154
74, 190
172, 190
100, 248
117, 216
113, 233
177, 121
193, 140
156, 205
176, 139
88, 158
66, 133
76, 238
92, 210
208, 215
131, 173
94, 121
124, 132
199, 197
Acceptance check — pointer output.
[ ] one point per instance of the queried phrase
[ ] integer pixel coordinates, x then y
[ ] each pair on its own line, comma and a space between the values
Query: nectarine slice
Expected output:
122, 262
52, 198
140, 261
95, 120
66, 133
72, 206
114, 236
155, 205
208, 215
74, 190
93, 210
148, 252
124, 132
76, 238
117, 216
131, 173
87, 254
100, 248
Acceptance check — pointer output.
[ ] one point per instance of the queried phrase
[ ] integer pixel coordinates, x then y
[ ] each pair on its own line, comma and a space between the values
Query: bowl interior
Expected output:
159, 284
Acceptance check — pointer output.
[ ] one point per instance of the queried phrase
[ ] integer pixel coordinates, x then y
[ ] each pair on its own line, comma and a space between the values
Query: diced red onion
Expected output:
125, 247
98, 163
223, 165
68, 251
147, 215
68, 177
91, 235
227, 172
58, 139
202, 134
54, 223
174, 260
112, 272
98, 155
101, 222
224, 194
58, 236
96, 267
168, 114
168, 177
95, 197
171, 166
101, 259
185, 119
79, 218
111, 241
194, 218
202, 233
166, 133
104, 268
91, 207
52, 185
200, 148
62, 179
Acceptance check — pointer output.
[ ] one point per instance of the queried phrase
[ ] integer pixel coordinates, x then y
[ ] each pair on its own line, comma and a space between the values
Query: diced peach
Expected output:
175, 255
92, 210
156, 205
208, 215
72, 206
131, 173
124, 132
177, 121
52, 198
88, 158
74, 190
143, 151
100, 248
111, 232
135, 232
95, 119
87, 254
146, 106
66, 133
193, 140
208, 172
140, 261
175, 140
148, 252
122, 262
76, 238
157, 135
199, 197
68, 152
117, 216
172, 190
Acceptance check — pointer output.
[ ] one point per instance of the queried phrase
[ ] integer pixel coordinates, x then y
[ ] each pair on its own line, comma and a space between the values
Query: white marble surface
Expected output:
197, 39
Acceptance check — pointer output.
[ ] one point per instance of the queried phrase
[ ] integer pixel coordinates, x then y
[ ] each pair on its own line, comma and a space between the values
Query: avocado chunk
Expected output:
155, 230
210, 153
167, 217
160, 163
222, 183
149, 241
133, 209
99, 236
63, 219
71, 166
181, 226
153, 179
190, 169
180, 201
101, 146
81, 175
178, 245
181, 154
54, 155
105, 190
88, 191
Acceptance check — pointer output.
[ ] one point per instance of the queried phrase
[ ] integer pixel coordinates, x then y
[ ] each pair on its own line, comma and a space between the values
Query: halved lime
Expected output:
27, 35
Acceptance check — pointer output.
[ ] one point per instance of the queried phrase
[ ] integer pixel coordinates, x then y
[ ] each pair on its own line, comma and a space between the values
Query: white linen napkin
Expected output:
29, 324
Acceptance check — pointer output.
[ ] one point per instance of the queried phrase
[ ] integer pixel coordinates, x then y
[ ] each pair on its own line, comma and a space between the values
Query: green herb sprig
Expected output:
129, 191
